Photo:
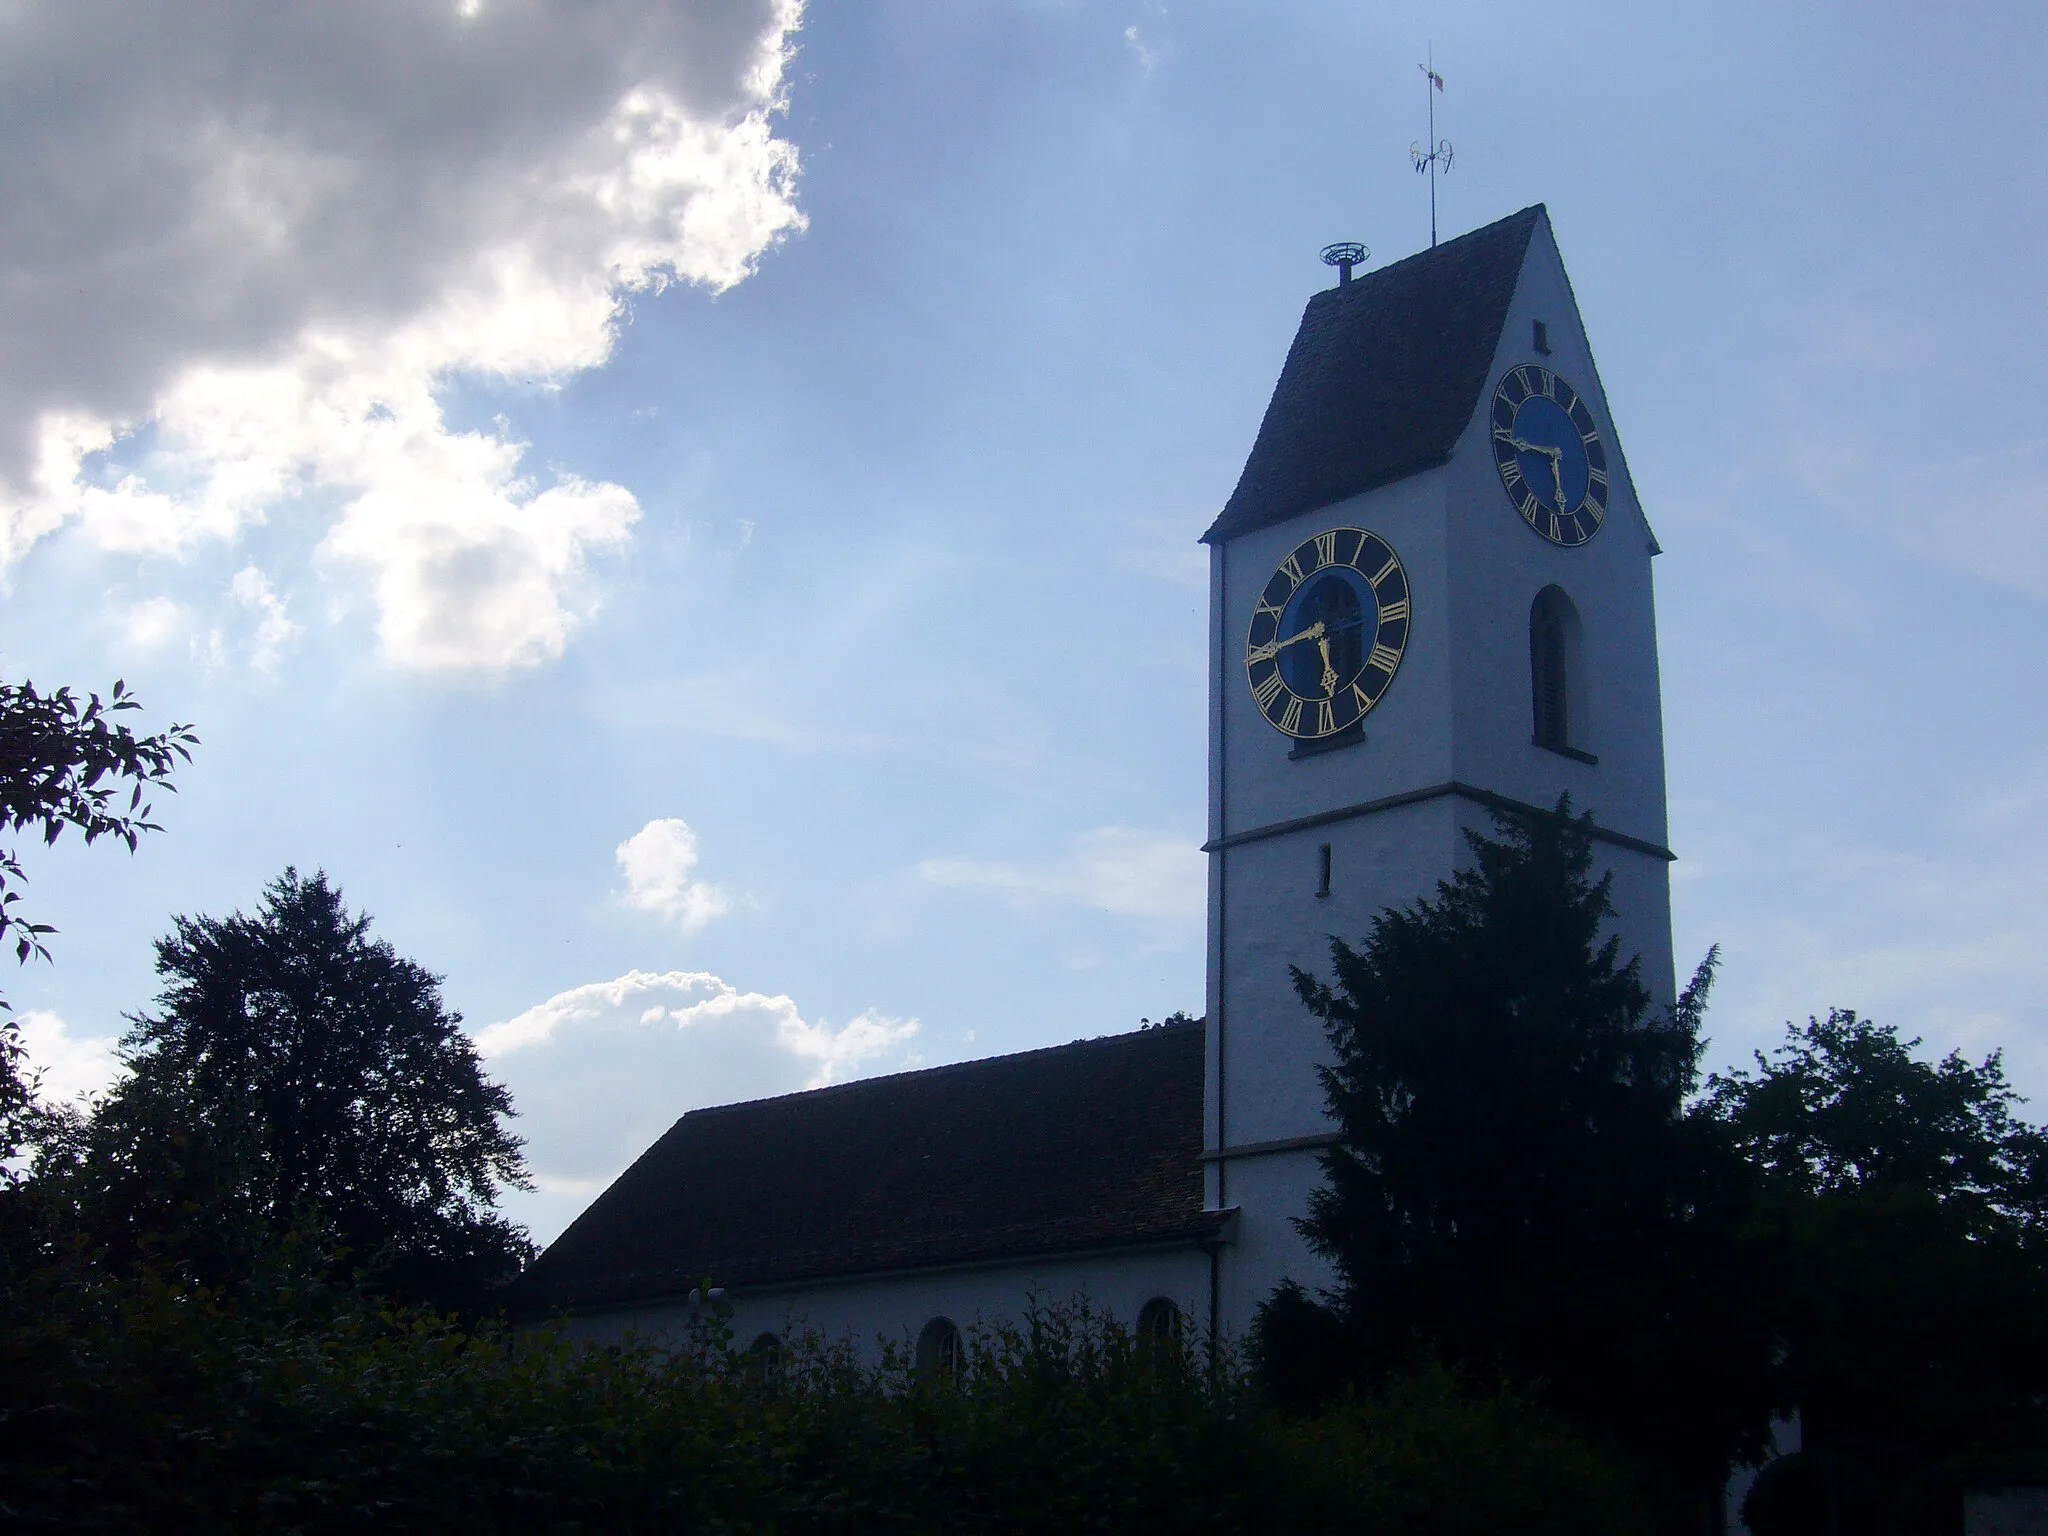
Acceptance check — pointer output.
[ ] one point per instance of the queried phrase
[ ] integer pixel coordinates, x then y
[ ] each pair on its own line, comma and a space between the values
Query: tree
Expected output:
297, 1071
1844, 1107
1519, 1191
64, 763
1902, 1213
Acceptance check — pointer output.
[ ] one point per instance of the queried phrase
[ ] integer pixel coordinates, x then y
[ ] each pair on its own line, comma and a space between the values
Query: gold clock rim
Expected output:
1400, 654
1597, 510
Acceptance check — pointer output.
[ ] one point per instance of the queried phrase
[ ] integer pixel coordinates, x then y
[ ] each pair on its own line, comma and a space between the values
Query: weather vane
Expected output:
1439, 152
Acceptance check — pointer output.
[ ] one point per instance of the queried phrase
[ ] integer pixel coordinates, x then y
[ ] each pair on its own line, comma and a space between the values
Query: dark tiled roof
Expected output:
1382, 377
1086, 1145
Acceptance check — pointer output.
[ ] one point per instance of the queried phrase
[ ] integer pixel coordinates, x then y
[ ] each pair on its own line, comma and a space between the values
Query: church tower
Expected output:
1430, 597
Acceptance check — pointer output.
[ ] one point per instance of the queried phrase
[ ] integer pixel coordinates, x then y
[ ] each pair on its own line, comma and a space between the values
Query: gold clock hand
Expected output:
1514, 442
1273, 648
1555, 455
1329, 671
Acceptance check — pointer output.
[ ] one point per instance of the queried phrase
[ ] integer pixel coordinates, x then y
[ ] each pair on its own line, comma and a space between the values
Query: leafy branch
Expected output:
66, 762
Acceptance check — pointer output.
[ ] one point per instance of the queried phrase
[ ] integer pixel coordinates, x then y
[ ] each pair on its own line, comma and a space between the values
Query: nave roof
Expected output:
1083, 1146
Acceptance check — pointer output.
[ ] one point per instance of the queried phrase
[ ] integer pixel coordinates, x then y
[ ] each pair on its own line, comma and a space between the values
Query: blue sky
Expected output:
511, 431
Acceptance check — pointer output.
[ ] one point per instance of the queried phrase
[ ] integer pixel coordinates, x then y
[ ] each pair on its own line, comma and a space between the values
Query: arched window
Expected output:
1557, 674
939, 1351
1159, 1323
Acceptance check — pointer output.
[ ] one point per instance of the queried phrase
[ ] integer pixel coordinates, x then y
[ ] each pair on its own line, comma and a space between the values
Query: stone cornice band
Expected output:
1478, 796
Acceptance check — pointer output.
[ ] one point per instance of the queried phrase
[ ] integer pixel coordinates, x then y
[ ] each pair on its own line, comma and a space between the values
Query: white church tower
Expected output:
1430, 597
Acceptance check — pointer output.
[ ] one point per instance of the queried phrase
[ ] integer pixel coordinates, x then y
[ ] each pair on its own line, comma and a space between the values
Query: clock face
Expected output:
1550, 455
1328, 633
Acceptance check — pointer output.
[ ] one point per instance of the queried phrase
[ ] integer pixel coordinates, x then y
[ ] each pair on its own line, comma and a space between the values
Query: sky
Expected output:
688, 511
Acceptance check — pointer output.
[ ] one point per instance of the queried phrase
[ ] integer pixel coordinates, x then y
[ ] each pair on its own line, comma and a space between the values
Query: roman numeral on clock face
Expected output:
1325, 603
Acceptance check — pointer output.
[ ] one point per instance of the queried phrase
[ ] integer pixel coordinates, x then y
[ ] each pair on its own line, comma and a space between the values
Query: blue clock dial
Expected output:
1550, 456
1328, 633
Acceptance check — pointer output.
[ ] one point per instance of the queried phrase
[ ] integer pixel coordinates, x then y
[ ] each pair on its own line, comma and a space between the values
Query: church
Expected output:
1430, 598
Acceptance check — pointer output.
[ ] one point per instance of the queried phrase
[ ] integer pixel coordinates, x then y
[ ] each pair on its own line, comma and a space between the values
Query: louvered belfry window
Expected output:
1547, 674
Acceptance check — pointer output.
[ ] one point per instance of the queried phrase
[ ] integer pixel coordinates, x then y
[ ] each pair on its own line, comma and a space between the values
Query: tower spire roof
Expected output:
1384, 373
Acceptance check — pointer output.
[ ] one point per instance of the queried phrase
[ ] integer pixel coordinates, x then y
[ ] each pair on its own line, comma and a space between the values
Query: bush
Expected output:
140, 1404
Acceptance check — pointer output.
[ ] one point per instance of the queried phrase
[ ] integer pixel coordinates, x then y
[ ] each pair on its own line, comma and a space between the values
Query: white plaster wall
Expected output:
1270, 1192
1499, 564
1408, 734
869, 1310
1272, 1043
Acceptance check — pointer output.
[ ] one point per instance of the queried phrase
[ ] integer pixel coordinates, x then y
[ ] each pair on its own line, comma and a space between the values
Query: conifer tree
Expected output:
1519, 1191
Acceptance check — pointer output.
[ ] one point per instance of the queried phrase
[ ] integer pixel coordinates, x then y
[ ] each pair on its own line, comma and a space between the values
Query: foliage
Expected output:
17, 1094
296, 1070
64, 763
1844, 1106
1519, 1191
142, 1404
1899, 1224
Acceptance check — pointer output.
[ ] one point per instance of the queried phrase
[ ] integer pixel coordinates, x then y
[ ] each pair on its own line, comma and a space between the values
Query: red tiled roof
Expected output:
1087, 1145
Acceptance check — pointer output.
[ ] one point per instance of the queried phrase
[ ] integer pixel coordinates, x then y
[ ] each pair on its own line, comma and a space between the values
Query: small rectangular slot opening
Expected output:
1323, 870
1542, 342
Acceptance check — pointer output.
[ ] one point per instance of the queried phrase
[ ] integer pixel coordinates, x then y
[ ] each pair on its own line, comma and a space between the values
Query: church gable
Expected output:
1091, 1145
1542, 326
1384, 376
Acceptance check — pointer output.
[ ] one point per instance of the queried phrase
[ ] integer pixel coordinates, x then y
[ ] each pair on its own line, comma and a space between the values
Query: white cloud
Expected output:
1147, 52
1112, 869
1979, 513
296, 225
600, 1071
70, 1065
274, 627
1146, 58
144, 628
1942, 941
656, 862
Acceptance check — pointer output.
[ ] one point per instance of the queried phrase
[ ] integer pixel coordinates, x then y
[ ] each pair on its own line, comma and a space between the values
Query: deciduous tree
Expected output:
1902, 1214
67, 763
64, 762
295, 1070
